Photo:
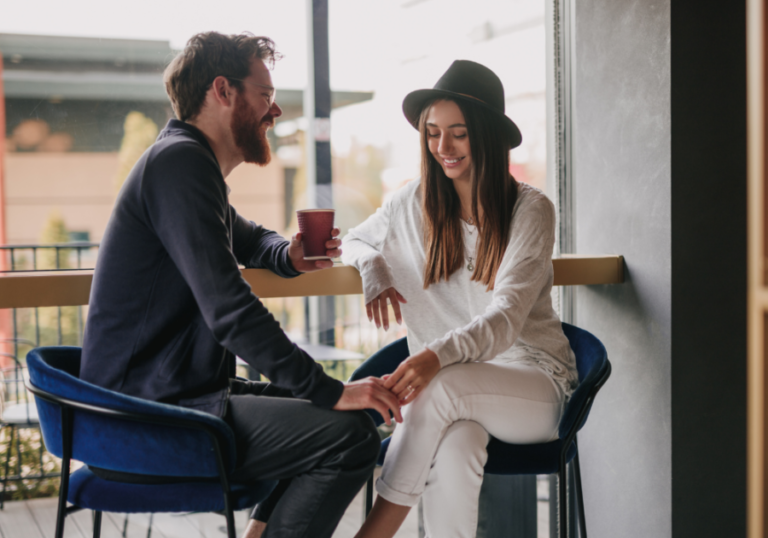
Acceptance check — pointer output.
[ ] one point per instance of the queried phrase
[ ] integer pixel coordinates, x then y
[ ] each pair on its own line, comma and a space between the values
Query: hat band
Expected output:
472, 97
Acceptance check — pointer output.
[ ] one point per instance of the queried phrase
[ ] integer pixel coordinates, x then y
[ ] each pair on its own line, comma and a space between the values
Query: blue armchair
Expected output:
158, 457
543, 458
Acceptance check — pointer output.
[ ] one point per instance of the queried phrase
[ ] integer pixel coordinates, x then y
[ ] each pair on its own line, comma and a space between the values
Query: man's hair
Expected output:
207, 56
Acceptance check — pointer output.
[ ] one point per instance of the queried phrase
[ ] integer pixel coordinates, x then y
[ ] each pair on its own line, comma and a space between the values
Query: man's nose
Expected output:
275, 110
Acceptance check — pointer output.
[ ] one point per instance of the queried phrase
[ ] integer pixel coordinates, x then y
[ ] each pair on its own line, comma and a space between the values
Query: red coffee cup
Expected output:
315, 226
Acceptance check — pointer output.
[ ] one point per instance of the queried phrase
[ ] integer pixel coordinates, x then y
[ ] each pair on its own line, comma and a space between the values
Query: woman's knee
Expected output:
463, 445
442, 391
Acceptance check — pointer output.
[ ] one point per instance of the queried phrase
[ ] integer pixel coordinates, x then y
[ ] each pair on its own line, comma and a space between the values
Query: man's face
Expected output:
255, 112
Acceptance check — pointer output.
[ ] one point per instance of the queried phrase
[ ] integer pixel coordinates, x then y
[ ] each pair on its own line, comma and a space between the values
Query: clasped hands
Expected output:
402, 386
389, 392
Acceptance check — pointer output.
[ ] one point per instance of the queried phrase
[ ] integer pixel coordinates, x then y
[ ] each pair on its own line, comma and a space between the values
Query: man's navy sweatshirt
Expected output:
169, 309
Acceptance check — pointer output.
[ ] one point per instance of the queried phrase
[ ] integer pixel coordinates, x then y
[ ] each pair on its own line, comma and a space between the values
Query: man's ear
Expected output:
223, 92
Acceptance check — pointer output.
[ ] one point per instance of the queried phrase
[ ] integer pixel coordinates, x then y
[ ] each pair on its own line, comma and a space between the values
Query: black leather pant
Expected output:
321, 457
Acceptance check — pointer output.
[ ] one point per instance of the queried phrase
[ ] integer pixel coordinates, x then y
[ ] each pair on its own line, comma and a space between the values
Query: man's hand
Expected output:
379, 305
413, 375
296, 253
369, 393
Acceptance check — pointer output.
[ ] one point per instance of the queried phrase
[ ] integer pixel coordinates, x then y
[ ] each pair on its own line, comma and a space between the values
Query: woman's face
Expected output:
448, 140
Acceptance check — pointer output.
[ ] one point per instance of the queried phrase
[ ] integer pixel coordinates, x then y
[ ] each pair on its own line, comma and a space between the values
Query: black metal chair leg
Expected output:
7, 467
125, 526
96, 524
579, 496
66, 441
562, 489
149, 529
230, 523
368, 497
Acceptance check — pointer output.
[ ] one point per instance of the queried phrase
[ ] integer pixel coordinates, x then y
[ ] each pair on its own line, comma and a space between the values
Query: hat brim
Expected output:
415, 101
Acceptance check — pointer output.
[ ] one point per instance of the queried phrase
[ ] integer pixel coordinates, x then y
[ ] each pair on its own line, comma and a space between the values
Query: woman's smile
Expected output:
448, 140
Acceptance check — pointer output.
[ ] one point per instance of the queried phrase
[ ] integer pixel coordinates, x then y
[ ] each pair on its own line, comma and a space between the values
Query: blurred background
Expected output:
84, 98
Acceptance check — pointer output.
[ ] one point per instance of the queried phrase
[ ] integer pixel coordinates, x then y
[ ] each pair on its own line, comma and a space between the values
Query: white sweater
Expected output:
458, 319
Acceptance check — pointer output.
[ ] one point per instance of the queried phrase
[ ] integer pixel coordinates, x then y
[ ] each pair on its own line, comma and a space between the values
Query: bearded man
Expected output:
169, 309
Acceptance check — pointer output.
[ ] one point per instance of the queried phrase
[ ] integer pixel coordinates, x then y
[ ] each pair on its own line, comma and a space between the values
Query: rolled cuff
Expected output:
377, 277
446, 352
396, 497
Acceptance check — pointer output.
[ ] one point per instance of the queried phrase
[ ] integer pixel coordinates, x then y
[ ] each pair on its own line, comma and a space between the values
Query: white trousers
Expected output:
439, 450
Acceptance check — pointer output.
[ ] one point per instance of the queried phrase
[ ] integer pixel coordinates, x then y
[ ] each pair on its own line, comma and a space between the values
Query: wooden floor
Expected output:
37, 519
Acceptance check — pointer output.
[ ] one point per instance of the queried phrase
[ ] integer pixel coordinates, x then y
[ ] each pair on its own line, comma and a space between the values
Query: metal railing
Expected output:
20, 258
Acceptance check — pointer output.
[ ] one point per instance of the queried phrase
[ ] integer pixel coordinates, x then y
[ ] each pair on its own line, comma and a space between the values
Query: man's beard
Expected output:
250, 137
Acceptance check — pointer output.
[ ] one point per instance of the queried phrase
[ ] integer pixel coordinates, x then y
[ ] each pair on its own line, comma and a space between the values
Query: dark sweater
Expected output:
169, 308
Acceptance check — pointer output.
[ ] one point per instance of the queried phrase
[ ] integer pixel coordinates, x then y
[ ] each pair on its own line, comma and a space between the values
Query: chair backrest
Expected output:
594, 369
128, 435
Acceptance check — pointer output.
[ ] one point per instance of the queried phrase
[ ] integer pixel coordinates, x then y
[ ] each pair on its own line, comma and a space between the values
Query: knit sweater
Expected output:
169, 308
458, 319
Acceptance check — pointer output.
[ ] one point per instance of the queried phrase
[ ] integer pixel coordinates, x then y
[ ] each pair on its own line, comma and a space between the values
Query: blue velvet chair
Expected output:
544, 458
160, 458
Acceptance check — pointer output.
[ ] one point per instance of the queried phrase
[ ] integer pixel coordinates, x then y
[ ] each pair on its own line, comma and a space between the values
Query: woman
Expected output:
470, 249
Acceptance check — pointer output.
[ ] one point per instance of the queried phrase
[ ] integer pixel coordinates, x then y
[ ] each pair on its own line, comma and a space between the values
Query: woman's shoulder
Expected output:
406, 196
531, 200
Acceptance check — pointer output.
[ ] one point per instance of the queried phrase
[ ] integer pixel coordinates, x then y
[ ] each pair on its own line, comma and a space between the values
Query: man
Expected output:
169, 309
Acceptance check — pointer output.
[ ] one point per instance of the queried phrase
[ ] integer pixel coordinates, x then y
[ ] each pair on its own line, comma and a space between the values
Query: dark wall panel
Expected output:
709, 267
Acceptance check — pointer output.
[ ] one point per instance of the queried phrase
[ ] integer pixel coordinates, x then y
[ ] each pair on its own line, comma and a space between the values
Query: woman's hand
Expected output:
377, 309
296, 253
413, 375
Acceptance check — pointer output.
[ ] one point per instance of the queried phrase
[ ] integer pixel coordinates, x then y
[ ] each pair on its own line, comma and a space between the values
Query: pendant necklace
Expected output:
470, 222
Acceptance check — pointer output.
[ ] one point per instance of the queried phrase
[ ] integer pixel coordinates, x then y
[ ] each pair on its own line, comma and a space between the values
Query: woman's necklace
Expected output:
469, 222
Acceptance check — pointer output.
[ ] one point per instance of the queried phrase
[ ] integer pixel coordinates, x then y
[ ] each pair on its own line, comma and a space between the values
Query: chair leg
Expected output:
149, 529
579, 496
230, 523
368, 497
562, 487
7, 467
60, 515
96, 524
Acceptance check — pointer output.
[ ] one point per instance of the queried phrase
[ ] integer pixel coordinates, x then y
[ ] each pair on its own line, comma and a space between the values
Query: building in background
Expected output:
80, 111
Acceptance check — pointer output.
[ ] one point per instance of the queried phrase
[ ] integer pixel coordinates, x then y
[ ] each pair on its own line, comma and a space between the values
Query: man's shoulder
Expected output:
177, 147
179, 158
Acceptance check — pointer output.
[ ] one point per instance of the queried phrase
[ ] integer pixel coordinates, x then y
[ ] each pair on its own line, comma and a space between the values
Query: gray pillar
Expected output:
317, 109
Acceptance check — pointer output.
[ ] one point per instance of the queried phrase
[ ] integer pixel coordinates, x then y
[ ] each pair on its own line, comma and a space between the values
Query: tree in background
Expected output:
56, 320
54, 233
140, 132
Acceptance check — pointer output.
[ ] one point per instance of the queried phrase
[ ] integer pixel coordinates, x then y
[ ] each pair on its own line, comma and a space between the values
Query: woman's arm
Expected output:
362, 248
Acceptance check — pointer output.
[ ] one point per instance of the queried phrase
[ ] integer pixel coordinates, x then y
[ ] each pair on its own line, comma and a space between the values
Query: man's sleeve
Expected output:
256, 247
185, 200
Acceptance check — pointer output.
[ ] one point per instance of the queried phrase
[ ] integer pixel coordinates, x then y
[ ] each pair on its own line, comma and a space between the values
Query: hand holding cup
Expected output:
316, 243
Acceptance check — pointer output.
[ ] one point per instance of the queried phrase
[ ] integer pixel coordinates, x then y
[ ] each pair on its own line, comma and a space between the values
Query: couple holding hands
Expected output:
463, 255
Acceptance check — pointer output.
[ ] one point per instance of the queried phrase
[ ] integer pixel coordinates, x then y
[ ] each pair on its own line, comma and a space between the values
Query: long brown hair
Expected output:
493, 188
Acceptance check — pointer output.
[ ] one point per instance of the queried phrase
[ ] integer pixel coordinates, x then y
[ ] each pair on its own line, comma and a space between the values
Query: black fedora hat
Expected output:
467, 81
